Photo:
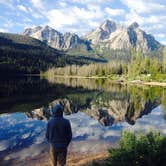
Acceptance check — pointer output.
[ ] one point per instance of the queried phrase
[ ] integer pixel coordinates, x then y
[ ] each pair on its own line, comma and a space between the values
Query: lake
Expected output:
99, 111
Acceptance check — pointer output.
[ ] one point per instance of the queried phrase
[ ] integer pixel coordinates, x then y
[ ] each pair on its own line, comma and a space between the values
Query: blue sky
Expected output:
80, 16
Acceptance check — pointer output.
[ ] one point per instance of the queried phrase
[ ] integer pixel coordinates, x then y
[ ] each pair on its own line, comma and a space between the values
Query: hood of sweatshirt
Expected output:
57, 111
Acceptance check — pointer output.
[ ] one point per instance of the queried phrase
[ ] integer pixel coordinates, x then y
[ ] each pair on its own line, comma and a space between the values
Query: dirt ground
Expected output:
73, 159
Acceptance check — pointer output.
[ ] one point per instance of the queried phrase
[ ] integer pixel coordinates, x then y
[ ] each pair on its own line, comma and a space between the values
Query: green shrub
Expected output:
139, 150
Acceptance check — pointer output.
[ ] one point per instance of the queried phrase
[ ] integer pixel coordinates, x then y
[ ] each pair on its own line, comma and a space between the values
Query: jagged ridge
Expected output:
54, 38
108, 35
115, 36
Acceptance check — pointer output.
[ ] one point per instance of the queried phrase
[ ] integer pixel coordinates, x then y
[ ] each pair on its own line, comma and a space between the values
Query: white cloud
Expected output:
156, 19
30, 151
26, 19
3, 30
26, 135
161, 35
4, 144
94, 136
34, 14
58, 18
93, 23
63, 4
82, 13
155, 27
6, 2
82, 18
150, 15
8, 24
149, 20
134, 17
163, 42
114, 12
74, 16
37, 4
141, 6
22, 8
87, 1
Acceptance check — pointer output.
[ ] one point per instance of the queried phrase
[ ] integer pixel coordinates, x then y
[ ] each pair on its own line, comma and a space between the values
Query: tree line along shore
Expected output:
140, 67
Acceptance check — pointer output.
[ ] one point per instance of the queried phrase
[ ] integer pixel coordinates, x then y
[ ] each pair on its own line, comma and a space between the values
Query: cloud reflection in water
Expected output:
17, 131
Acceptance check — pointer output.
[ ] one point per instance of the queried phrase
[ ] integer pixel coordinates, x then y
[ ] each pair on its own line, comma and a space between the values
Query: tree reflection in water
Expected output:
106, 102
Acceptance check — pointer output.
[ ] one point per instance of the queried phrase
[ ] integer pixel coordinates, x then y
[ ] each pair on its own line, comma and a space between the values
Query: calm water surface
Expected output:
97, 109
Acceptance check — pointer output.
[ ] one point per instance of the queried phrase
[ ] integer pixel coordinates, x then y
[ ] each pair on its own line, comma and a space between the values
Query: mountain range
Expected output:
41, 48
108, 35
54, 38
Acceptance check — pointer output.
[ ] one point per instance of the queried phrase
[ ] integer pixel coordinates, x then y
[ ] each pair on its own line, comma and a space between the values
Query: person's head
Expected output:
57, 110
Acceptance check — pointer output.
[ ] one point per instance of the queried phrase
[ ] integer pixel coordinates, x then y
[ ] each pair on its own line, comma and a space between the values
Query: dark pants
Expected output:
58, 155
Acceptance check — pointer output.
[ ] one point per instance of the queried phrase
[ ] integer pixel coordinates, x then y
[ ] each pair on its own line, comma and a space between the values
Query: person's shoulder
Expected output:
51, 120
66, 120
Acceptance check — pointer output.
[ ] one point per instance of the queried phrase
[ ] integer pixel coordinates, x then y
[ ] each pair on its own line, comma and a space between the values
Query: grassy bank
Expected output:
137, 150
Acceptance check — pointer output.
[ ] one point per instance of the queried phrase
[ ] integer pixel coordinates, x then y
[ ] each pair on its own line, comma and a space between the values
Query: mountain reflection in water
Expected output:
105, 102
98, 111
106, 112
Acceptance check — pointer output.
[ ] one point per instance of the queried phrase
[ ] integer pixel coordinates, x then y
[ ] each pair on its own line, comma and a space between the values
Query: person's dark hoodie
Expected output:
58, 129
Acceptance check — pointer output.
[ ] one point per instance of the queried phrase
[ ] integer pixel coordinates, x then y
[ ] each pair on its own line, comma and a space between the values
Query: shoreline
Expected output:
118, 81
73, 159
79, 154
152, 83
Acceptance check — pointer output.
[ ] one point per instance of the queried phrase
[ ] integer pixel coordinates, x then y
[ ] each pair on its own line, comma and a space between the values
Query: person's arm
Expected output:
69, 133
47, 132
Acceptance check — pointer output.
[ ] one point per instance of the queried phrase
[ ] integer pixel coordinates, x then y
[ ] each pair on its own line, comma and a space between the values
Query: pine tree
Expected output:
164, 59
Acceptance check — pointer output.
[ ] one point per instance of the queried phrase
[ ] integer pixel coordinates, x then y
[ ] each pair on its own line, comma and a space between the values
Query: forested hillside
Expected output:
21, 54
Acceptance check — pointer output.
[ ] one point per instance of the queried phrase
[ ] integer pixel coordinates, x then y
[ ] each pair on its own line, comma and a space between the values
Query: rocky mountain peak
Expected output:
108, 26
116, 36
134, 25
54, 38
69, 34
29, 31
36, 28
48, 28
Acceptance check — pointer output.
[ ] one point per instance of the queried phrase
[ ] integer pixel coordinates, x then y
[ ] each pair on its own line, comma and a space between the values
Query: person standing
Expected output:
59, 135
